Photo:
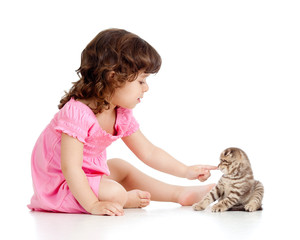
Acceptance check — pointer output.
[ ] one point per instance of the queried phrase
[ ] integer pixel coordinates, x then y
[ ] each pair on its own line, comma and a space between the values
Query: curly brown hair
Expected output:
111, 51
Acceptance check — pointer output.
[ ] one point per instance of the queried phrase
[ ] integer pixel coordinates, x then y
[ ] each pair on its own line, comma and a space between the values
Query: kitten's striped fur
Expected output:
237, 189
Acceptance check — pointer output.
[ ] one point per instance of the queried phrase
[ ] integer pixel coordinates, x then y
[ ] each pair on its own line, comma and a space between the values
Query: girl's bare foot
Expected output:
190, 195
137, 199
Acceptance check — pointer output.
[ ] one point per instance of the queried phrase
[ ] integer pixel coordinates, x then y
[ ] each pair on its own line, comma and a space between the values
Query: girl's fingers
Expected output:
204, 177
109, 213
209, 167
117, 209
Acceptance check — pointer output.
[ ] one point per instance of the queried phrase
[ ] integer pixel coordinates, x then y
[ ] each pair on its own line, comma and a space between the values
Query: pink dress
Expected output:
51, 192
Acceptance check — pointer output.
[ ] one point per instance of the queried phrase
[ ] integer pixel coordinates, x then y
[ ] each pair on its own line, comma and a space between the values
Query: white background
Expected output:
229, 77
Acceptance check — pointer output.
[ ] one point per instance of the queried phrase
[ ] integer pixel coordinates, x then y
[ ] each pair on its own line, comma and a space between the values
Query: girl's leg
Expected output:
131, 178
112, 191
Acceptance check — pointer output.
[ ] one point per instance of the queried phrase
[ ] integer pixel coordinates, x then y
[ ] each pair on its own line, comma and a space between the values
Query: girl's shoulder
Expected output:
75, 119
126, 121
124, 113
73, 108
76, 113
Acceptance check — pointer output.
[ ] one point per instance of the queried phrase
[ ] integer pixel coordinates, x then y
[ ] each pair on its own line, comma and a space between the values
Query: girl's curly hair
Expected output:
113, 50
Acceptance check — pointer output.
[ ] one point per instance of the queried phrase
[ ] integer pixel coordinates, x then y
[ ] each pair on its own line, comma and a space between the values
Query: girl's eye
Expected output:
142, 82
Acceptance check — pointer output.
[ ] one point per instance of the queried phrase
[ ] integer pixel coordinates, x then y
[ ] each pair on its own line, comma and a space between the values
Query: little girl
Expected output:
69, 168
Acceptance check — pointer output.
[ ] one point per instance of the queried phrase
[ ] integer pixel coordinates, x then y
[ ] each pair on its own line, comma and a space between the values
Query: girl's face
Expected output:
131, 93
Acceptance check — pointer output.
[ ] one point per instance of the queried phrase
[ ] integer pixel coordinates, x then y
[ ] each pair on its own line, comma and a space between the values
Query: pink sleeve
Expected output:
130, 122
73, 121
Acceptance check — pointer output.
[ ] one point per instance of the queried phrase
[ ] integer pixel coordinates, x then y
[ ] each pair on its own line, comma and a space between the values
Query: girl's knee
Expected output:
112, 191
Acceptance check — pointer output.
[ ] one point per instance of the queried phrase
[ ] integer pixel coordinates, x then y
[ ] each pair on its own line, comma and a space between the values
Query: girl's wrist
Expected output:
90, 208
191, 172
186, 171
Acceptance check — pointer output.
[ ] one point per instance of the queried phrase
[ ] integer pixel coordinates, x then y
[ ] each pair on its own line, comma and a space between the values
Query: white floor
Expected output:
157, 221
230, 77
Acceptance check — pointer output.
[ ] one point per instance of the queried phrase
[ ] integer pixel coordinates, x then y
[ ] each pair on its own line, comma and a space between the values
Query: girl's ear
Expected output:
111, 75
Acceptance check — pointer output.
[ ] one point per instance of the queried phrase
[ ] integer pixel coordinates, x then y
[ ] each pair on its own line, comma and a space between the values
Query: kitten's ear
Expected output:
228, 152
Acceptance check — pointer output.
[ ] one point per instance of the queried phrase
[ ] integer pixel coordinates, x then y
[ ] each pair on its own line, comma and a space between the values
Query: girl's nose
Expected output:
146, 87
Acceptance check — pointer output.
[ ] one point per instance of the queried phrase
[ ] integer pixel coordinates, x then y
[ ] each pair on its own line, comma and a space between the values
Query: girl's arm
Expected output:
71, 166
153, 156
160, 160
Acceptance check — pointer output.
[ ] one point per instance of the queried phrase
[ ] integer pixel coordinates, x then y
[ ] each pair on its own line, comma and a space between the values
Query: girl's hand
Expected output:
107, 208
200, 172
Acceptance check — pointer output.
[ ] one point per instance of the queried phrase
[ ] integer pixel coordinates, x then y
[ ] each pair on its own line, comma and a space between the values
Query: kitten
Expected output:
237, 189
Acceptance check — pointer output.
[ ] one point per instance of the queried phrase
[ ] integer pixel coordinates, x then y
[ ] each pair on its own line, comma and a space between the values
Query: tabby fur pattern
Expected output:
237, 189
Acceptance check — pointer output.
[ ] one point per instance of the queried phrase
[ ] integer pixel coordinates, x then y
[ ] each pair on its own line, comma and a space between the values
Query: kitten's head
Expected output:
234, 161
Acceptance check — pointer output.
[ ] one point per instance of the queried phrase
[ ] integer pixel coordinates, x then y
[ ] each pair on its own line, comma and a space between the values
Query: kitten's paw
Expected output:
198, 207
251, 207
218, 208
